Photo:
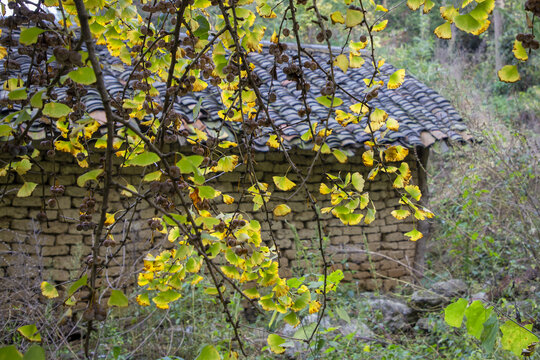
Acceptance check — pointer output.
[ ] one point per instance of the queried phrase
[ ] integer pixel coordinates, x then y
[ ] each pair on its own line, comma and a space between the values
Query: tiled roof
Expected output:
424, 116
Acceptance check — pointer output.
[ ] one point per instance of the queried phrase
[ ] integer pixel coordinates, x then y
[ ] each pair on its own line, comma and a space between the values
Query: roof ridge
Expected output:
316, 47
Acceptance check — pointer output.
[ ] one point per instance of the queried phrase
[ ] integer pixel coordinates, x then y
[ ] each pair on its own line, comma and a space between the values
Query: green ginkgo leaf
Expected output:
208, 353
327, 101
509, 74
118, 299
18, 94
467, 23
10, 353
30, 35
30, 332
414, 191
5, 130
27, 189
275, 341
35, 352
90, 175
207, 192
144, 159
340, 156
353, 17
292, 319
77, 285
56, 110
36, 99
358, 181
83, 75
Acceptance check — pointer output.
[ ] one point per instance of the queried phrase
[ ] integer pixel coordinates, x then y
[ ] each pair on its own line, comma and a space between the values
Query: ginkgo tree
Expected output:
189, 44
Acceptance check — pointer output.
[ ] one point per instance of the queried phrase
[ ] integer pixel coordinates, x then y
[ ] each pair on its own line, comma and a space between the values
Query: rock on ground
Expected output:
439, 294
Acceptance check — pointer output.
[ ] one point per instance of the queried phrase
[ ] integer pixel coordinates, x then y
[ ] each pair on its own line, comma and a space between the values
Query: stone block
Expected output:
358, 258
405, 227
353, 230
394, 236
31, 201
69, 239
374, 237
388, 228
407, 245
347, 276
351, 266
56, 227
67, 262
76, 191
58, 275
55, 250
337, 240
26, 225
397, 272
385, 245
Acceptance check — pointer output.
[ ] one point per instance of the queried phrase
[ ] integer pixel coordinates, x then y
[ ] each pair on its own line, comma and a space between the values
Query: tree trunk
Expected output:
498, 30
423, 226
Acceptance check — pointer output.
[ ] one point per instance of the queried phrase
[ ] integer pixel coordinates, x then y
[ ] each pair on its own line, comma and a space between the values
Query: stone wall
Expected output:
377, 255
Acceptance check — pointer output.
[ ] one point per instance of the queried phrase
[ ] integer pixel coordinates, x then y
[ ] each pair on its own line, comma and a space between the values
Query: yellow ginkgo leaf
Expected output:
448, 13
283, 183
109, 220
428, 5
143, 300
414, 235
519, 51
272, 142
228, 199
337, 18
444, 31
392, 124
314, 306
342, 62
414, 191
324, 189
282, 210
367, 158
483, 28
359, 108
396, 79
401, 214
380, 26
48, 290
395, 153
274, 38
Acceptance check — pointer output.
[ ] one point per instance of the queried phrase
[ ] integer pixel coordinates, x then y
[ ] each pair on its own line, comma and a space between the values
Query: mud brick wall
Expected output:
376, 255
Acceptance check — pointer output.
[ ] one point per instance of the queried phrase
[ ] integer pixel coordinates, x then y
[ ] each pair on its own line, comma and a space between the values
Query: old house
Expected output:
52, 249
